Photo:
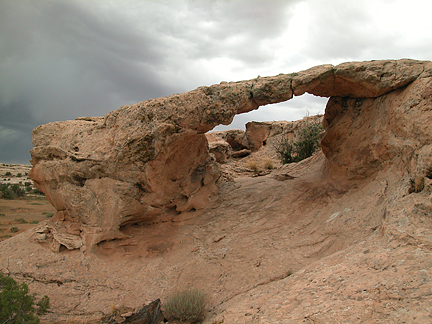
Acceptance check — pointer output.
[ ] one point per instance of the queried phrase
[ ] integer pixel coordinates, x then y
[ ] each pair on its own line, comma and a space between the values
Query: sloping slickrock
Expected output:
151, 160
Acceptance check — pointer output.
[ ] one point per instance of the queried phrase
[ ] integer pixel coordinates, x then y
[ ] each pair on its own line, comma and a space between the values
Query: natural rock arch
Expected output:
151, 158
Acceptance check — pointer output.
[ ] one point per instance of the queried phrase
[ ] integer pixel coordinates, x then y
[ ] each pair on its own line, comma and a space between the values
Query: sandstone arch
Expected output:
151, 158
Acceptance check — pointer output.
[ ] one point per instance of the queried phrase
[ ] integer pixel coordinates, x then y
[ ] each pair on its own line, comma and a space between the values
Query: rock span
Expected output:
150, 161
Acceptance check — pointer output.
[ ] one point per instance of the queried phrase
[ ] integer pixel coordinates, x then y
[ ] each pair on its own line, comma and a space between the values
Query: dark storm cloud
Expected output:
64, 59
60, 61
69, 49
15, 132
59, 48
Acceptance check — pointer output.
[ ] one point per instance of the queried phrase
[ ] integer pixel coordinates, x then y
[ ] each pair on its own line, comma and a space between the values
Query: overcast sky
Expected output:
69, 58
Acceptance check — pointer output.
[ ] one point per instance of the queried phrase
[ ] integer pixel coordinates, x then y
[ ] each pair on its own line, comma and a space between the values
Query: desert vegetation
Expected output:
17, 305
260, 167
21, 205
17, 190
187, 306
304, 146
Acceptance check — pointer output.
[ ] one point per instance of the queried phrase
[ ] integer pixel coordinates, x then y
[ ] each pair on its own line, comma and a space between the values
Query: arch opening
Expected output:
290, 110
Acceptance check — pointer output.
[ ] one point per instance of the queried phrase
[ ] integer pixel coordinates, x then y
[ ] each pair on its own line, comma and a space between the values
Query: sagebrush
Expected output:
187, 306
306, 144
8, 191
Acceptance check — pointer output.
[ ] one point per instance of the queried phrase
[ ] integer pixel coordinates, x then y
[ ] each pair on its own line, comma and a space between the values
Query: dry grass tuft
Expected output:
268, 164
186, 306
253, 165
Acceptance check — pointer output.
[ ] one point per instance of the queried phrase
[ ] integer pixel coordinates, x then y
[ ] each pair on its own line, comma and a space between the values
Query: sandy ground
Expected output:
18, 215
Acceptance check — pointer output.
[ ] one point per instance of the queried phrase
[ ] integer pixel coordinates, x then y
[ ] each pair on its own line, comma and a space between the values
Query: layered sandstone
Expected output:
150, 161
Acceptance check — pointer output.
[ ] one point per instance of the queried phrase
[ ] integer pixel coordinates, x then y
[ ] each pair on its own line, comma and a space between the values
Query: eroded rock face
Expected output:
365, 135
151, 160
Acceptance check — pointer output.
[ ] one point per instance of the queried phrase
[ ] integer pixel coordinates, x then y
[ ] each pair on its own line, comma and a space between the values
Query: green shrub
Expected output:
8, 191
37, 192
43, 305
21, 220
186, 306
7, 174
16, 305
7, 194
306, 144
14, 229
19, 192
18, 175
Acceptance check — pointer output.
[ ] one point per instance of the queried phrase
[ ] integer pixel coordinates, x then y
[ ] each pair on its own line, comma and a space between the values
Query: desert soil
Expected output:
19, 215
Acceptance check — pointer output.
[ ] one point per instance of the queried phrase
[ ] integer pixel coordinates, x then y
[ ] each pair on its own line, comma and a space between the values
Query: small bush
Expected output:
268, 164
306, 144
16, 305
43, 305
18, 175
14, 229
21, 220
8, 191
186, 306
7, 194
253, 165
8, 174
37, 192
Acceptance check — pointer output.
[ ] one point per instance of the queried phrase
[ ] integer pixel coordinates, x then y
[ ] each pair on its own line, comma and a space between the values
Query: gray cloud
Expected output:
367, 30
15, 132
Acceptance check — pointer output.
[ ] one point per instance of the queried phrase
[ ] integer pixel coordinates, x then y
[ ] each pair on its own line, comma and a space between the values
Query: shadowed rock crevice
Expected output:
137, 162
